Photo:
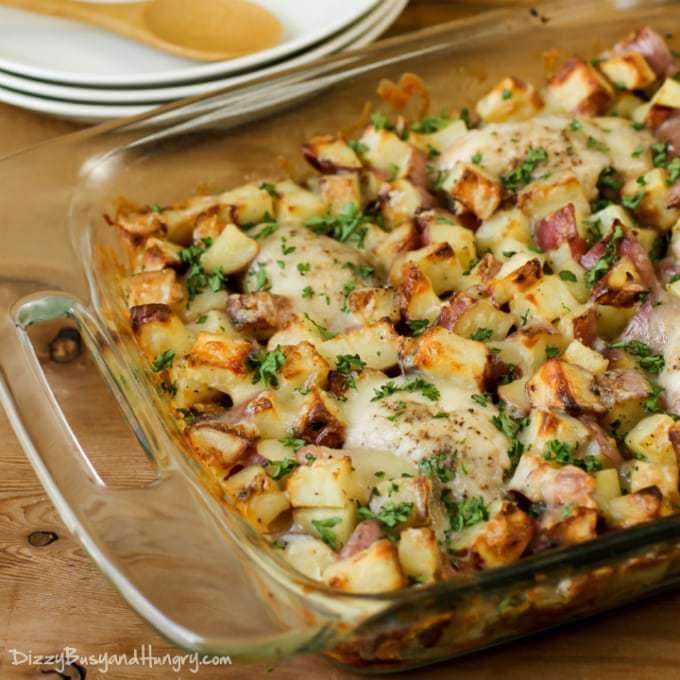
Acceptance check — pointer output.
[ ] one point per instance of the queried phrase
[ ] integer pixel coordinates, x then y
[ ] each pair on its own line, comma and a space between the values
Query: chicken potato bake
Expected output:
456, 345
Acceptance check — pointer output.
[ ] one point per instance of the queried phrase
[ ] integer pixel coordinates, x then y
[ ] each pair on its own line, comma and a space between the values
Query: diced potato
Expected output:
417, 298
219, 446
612, 320
548, 300
650, 439
510, 99
561, 260
438, 229
482, 315
332, 525
339, 190
209, 301
580, 355
400, 201
438, 262
629, 71
156, 254
441, 353
273, 449
559, 385
441, 139
516, 275
296, 204
256, 496
384, 249
505, 232
188, 390
158, 330
303, 366
664, 103
419, 553
393, 492
330, 155
580, 324
154, 288
515, 395
642, 474
608, 485
624, 105
319, 420
633, 508
308, 555
371, 305
578, 88
374, 570
389, 155
621, 286
474, 188
545, 196
545, 426
377, 345
528, 347
324, 483
232, 250
651, 189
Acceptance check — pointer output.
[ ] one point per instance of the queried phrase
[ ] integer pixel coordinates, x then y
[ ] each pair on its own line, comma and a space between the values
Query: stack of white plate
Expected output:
74, 71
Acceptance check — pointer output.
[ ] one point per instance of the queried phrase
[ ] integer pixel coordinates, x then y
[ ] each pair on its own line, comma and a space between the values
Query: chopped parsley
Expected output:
637, 151
431, 124
551, 352
285, 248
633, 202
507, 94
609, 179
648, 360
602, 265
202, 319
322, 330
365, 271
266, 366
418, 326
510, 426
347, 365
652, 403
390, 514
169, 387
269, 188
481, 399
324, 529
380, 121
436, 467
163, 361
307, 292
566, 275
217, 279
561, 453
427, 389
261, 281
595, 144
267, 230
401, 409
348, 226
303, 267
575, 124
156, 208
280, 468
357, 146
292, 440
432, 152
481, 334
477, 158
521, 175
465, 513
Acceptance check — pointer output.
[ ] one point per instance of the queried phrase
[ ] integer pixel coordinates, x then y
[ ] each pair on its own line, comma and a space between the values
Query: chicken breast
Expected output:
316, 273
414, 427
583, 152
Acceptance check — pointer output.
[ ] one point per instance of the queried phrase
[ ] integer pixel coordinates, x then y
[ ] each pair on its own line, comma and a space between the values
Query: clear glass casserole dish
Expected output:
196, 572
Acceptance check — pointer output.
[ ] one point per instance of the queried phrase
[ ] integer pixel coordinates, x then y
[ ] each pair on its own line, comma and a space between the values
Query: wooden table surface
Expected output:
52, 596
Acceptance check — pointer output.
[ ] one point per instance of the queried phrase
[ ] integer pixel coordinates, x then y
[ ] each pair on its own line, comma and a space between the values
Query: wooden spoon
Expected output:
208, 30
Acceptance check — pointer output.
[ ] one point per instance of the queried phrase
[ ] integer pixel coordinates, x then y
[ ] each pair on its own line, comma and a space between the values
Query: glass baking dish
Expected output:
191, 568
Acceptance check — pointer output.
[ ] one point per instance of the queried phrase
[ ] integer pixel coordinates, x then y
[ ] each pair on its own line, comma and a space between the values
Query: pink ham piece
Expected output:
652, 47
454, 309
590, 259
669, 131
631, 247
560, 227
604, 442
365, 534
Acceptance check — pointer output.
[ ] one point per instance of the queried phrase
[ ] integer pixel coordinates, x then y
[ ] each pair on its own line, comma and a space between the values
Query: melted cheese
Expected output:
600, 142
294, 258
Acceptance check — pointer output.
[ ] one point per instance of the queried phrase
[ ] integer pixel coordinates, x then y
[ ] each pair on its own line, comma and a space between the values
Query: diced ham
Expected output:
560, 227
655, 325
669, 131
365, 534
604, 443
652, 47
589, 260
631, 247
621, 384
668, 268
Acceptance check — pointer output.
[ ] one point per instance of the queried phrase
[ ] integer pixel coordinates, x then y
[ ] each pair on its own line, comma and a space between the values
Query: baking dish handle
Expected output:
160, 544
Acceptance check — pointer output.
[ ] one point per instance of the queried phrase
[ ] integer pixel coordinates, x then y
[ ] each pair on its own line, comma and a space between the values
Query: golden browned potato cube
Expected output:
504, 537
330, 155
339, 190
332, 525
415, 491
438, 262
578, 88
297, 204
159, 287
158, 330
373, 570
392, 157
256, 496
400, 200
511, 99
232, 250
651, 439
474, 188
417, 299
628, 71
384, 249
376, 344
437, 228
319, 420
157, 254
481, 317
326, 483
308, 555
528, 347
547, 300
559, 385
664, 104
612, 320
218, 445
633, 508
515, 395
642, 474
441, 353
547, 195
419, 553
508, 231
580, 355
621, 286
648, 193
439, 140
516, 275
370, 305
545, 426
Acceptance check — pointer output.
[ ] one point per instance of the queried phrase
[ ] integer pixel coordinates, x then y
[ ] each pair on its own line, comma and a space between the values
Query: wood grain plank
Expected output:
52, 596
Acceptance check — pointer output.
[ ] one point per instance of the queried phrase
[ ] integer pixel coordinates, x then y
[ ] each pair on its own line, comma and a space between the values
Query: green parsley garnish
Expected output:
280, 468
481, 399
365, 271
307, 292
269, 188
436, 467
380, 121
575, 124
602, 265
593, 143
466, 513
427, 389
323, 528
163, 361
322, 330
551, 352
477, 158
507, 94
521, 176
357, 146
303, 267
266, 365
431, 124
652, 404
648, 360
566, 275
348, 226
481, 334
418, 326
261, 281
390, 514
